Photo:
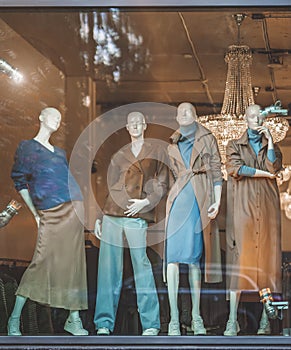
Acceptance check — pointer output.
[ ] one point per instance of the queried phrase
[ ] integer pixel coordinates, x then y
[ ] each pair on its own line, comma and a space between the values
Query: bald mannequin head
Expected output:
186, 114
50, 119
254, 117
136, 125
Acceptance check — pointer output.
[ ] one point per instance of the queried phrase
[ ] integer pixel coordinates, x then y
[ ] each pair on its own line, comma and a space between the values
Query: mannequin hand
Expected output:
272, 176
136, 206
265, 131
97, 229
37, 220
213, 210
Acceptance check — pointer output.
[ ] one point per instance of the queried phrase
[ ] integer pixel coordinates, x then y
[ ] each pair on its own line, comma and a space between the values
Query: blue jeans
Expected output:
110, 269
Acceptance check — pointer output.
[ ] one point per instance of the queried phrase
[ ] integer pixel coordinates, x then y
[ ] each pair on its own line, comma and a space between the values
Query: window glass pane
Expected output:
115, 76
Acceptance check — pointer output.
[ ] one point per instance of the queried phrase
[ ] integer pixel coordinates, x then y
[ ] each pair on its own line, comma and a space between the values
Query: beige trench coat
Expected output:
204, 171
253, 229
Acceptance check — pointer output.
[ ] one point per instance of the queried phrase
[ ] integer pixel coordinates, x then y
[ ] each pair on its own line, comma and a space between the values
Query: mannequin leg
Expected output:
74, 325
173, 285
195, 285
232, 327
265, 327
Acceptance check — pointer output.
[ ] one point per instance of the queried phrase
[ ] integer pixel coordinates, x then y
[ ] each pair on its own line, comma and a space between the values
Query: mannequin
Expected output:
137, 180
196, 165
253, 220
56, 275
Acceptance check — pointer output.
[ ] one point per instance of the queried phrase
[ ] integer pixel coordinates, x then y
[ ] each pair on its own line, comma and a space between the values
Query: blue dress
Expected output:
184, 229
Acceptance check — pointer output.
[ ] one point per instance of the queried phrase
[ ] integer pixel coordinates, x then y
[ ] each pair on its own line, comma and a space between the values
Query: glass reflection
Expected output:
117, 47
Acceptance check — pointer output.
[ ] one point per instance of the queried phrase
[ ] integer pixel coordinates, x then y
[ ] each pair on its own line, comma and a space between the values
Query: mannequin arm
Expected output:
213, 209
263, 173
27, 199
97, 229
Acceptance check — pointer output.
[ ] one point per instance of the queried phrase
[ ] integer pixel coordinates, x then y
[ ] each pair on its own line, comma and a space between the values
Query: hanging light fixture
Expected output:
10, 71
230, 123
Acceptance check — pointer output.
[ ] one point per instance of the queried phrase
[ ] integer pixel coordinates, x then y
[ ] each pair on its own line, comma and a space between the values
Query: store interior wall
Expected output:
20, 105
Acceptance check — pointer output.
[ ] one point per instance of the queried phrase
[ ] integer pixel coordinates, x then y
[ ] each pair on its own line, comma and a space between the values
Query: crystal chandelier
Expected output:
10, 71
230, 123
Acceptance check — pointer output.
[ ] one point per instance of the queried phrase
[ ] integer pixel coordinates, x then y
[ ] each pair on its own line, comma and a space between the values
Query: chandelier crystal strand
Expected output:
230, 123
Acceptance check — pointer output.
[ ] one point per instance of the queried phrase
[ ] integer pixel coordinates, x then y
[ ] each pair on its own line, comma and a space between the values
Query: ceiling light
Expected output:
238, 95
256, 90
12, 72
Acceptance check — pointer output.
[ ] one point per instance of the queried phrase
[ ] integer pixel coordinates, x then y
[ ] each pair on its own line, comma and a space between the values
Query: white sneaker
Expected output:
232, 328
264, 328
13, 326
151, 331
197, 326
174, 328
75, 327
103, 331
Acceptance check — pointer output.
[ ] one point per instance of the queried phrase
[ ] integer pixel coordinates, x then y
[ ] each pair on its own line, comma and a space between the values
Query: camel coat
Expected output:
253, 229
204, 171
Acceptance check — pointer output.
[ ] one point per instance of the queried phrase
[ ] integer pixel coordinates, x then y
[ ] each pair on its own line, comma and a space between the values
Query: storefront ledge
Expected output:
144, 343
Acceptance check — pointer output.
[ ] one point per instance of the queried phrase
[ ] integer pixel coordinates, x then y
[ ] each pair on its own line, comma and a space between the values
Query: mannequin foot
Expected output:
197, 326
174, 328
151, 331
264, 328
232, 328
75, 327
103, 331
13, 326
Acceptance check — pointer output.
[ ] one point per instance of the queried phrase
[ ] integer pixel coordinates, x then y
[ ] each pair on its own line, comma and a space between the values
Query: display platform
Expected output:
146, 343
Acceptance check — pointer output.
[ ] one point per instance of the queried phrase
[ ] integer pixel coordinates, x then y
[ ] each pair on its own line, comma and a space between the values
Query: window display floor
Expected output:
144, 343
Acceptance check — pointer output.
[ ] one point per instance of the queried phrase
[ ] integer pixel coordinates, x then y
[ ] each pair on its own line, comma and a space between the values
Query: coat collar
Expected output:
243, 140
145, 150
200, 132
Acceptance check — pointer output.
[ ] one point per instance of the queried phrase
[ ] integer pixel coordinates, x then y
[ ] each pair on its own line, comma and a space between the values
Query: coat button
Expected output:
137, 187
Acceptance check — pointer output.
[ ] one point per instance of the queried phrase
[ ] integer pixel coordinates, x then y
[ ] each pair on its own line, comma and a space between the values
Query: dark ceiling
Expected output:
180, 56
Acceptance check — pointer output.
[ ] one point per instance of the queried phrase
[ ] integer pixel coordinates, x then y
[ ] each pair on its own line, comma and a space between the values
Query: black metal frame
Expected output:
139, 342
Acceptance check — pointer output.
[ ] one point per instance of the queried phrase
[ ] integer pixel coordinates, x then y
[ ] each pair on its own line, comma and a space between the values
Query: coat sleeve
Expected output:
276, 166
215, 162
113, 172
161, 181
233, 160
21, 170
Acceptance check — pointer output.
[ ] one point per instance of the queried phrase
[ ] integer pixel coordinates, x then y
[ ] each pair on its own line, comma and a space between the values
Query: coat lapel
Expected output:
136, 162
128, 155
243, 140
199, 144
174, 153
